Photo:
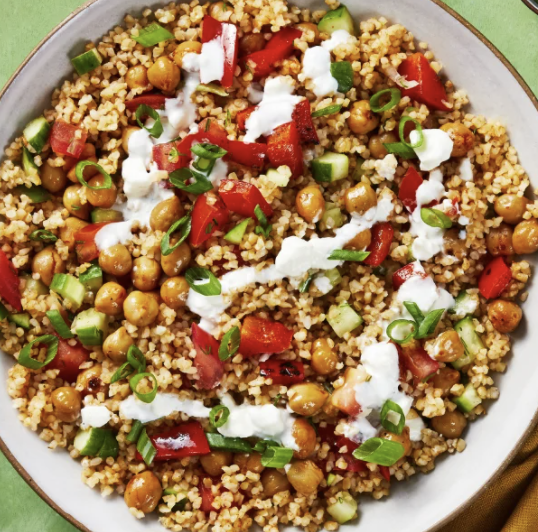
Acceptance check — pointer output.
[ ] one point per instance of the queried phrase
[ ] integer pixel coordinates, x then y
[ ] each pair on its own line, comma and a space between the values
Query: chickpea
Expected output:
305, 476
445, 379
215, 461
448, 347
462, 136
174, 292
110, 298
307, 399
126, 136
450, 425
165, 213
137, 77
222, 11
146, 273
361, 118
47, 263
361, 241
89, 381
116, 346
525, 239
69, 230
53, 178
511, 207
143, 492
375, 145
141, 308
310, 31
249, 462
187, 47
88, 154
164, 74
72, 203
251, 42
116, 260
360, 198
499, 240
177, 261
67, 403
305, 437
402, 438
504, 315
324, 359
105, 197
274, 482
310, 203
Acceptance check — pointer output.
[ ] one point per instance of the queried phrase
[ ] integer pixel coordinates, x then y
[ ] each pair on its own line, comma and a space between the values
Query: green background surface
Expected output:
507, 23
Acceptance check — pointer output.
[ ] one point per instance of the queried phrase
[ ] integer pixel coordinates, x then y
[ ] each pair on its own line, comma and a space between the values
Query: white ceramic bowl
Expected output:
426, 501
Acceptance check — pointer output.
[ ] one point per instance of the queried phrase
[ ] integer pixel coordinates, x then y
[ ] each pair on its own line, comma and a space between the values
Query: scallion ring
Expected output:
329, 110
346, 254
79, 172
429, 323
380, 451
400, 149
208, 151
146, 448
145, 110
276, 457
401, 331
392, 417
229, 344
203, 281
147, 397
375, 100
135, 431
401, 131
25, 356
122, 372
201, 184
414, 310
219, 415
136, 358
57, 321
42, 235
435, 218
184, 226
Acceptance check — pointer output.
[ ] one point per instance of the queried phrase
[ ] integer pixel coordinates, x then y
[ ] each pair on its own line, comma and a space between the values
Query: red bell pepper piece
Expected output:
208, 215
207, 497
67, 139
414, 358
430, 90
9, 286
495, 278
155, 101
302, 117
213, 29
344, 398
382, 234
187, 439
385, 472
259, 336
408, 188
284, 148
242, 117
283, 372
248, 154
172, 156
207, 362
404, 273
68, 359
86, 247
242, 197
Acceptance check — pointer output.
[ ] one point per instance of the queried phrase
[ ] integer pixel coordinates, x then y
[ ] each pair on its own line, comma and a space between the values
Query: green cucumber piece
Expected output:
92, 278
334, 277
342, 72
343, 319
344, 509
468, 400
465, 304
359, 172
470, 340
332, 217
337, 19
106, 215
110, 446
69, 287
90, 326
280, 179
36, 193
21, 319
28, 165
36, 133
235, 235
88, 442
330, 167
87, 61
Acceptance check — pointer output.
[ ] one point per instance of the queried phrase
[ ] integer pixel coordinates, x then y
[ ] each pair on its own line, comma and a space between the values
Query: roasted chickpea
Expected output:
72, 203
310, 31
361, 241
126, 136
177, 261
53, 178
116, 345
504, 315
499, 240
307, 398
402, 438
249, 462
141, 308
448, 347
324, 359
175, 291
116, 260
105, 197
88, 154
215, 461
137, 77
310, 203
375, 144
67, 403
146, 273
69, 230
525, 238
143, 492
222, 11
305, 476
445, 379
511, 207
274, 482
187, 47
360, 198
164, 74
251, 42
89, 381
47, 263
165, 213
450, 425
462, 136
305, 437
362, 119
110, 298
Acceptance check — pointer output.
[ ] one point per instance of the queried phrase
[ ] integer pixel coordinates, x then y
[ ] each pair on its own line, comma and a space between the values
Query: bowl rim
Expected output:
533, 422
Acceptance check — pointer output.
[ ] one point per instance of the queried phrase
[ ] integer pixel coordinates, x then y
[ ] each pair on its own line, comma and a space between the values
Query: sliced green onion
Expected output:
145, 448
305, 285
180, 505
201, 184
264, 227
122, 372
277, 399
429, 323
329, 110
203, 281
380, 451
145, 397
25, 356
400, 149
219, 415
136, 358
87, 61
59, 324
392, 417
79, 171
224, 443
135, 431
414, 310
208, 151
262, 445
230, 343
213, 88
4, 312
235, 235
204, 166
401, 331
342, 72
401, 131
145, 110
435, 218
42, 235
276, 457
375, 100
346, 254
184, 226
152, 35
36, 193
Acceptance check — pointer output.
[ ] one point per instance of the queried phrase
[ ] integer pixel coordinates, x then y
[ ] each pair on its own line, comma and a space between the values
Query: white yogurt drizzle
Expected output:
436, 147
95, 416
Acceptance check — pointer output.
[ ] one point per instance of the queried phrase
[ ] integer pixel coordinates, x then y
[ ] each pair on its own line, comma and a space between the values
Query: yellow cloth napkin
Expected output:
510, 504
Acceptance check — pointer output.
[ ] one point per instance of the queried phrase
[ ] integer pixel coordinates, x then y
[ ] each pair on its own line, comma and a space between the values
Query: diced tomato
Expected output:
67, 139
213, 29
344, 397
302, 116
327, 435
155, 101
430, 90
283, 372
414, 358
242, 117
172, 156
284, 148
210, 367
385, 472
9, 286
68, 359
495, 278
207, 497
382, 234
408, 188
404, 273
259, 336
86, 247
209, 130
208, 215
242, 197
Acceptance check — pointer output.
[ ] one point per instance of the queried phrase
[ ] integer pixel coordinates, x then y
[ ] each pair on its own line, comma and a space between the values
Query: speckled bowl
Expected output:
425, 502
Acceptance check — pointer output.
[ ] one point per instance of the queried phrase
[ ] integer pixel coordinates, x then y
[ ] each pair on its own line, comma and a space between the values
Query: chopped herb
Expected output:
328, 387
264, 228
277, 399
